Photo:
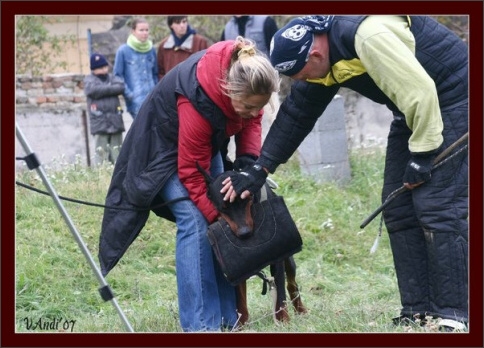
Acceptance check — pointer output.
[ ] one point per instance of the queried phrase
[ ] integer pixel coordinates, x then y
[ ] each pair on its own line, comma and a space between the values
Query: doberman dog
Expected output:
238, 216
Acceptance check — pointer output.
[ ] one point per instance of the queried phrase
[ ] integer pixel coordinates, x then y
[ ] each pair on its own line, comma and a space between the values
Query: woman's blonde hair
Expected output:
250, 72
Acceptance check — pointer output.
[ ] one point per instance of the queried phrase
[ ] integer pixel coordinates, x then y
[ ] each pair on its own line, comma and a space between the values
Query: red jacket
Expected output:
195, 132
168, 136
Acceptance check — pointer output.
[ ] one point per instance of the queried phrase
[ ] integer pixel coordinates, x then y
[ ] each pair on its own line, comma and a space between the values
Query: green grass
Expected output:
345, 288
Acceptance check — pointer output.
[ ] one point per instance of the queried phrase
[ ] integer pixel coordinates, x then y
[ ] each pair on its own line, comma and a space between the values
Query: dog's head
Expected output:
238, 213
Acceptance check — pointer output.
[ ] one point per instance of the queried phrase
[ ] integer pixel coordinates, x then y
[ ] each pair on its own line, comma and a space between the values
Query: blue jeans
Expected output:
206, 300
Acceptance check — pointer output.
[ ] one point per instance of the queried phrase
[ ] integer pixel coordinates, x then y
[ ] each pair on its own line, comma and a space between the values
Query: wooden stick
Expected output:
402, 189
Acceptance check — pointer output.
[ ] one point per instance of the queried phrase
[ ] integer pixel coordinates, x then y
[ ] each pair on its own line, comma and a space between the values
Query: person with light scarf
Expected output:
135, 62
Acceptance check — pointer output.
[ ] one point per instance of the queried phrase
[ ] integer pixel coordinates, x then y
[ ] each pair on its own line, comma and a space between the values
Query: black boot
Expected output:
409, 320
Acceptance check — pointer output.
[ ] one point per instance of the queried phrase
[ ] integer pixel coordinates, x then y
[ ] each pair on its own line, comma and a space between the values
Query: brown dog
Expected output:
238, 216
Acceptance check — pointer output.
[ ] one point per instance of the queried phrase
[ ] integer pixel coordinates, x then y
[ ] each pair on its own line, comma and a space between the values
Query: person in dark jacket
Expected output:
102, 90
258, 28
419, 69
212, 95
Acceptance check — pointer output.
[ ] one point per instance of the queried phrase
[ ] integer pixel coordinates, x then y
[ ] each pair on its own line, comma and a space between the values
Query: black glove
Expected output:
418, 169
252, 179
244, 162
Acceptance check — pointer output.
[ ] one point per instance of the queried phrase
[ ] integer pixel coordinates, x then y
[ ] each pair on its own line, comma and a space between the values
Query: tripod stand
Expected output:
104, 290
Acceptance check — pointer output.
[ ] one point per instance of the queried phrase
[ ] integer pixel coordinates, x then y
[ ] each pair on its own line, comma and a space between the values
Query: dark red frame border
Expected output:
11, 8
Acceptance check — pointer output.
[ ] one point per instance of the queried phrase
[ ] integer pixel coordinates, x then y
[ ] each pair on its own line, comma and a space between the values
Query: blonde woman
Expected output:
204, 100
135, 62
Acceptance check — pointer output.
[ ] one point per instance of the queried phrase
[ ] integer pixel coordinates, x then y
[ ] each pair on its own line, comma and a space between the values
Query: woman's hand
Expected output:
229, 191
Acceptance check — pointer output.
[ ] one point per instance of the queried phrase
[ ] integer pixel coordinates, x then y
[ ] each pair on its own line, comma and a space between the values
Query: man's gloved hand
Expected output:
251, 180
418, 169
244, 162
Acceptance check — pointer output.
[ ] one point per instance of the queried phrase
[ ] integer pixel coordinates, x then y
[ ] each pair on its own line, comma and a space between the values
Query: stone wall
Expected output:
61, 91
323, 155
51, 113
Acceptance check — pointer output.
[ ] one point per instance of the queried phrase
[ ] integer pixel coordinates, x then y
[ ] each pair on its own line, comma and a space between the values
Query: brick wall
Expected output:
50, 92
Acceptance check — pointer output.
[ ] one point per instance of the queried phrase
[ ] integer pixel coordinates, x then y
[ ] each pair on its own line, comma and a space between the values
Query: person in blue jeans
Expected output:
136, 64
212, 95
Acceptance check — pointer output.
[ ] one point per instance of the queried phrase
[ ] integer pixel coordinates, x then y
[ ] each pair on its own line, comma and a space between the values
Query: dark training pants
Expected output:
428, 226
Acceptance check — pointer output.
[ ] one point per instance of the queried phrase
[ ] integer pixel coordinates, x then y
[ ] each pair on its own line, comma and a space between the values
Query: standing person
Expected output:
102, 90
207, 98
135, 62
179, 45
419, 69
257, 28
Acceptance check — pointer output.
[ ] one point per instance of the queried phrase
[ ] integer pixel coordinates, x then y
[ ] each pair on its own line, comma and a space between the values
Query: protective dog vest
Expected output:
275, 238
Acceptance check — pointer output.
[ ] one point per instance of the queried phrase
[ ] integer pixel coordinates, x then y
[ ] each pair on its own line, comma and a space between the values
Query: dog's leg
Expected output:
292, 287
241, 290
280, 308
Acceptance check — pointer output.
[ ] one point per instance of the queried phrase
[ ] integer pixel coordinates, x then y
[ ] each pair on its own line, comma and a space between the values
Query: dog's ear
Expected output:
208, 178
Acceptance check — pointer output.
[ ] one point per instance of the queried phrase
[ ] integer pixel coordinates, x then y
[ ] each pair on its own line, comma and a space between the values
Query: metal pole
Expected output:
89, 42
104, 290
86, 137
84, 116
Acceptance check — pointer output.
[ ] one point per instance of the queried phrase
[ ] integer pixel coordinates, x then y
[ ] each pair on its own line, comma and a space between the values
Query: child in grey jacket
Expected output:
105, 113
